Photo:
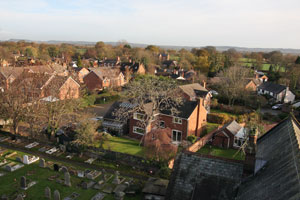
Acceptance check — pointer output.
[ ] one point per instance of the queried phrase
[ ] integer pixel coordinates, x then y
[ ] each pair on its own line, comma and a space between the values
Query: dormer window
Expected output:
138, 116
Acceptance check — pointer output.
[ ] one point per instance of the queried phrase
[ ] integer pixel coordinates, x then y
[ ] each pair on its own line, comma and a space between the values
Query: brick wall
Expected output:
70, 90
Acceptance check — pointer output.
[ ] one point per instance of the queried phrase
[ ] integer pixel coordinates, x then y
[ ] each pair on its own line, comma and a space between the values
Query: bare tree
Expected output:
149, 95
232, 82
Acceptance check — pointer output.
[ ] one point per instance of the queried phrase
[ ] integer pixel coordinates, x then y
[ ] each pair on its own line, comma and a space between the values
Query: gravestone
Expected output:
25, 159
67, 179
64, 169
23, 182
116, 180
56, 167
98, 196
42, 163
80, 173
48, 193
4, 197
119, 195
88, 185
56, 195
19, 197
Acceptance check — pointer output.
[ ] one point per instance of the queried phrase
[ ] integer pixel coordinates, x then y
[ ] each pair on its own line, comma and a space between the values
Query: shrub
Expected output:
219, 118
192, 138
283, 115
88, 100
164, 172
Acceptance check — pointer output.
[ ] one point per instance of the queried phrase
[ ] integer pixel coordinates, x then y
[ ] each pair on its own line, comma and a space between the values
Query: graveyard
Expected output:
25, 176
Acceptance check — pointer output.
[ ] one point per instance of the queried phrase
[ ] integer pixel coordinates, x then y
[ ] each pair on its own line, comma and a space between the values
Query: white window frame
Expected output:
176, 139
136, 132
177, 120
135, 116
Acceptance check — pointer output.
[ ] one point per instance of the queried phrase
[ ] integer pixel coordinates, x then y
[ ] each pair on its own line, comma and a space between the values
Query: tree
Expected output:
233, 82
85, 134
152, 48
150, 95
297, 60
79, 63
53, 51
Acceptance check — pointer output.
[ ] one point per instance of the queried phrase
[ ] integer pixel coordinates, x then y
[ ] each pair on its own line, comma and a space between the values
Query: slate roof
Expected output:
233, 127
200, 177
272, 87
134, 67
185, 110
109, 114
280, 177
194, 90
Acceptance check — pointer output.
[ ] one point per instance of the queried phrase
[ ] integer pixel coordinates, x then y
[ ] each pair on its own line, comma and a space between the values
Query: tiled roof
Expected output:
199, 177
233, 127
104, 72
280, 177
193, 90
272, 87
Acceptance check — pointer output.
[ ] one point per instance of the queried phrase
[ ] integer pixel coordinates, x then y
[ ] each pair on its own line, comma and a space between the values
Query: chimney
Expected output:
204, 83
130, 60
118, 58
250, 158
256, 76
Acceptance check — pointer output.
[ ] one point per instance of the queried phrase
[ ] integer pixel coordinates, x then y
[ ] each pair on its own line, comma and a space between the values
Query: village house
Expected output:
190, 121
253, 83
269, 171
231, 135
103, 77
4, 63
80, 72
163, 56
110, 62
132, 68
279, 93
169, 64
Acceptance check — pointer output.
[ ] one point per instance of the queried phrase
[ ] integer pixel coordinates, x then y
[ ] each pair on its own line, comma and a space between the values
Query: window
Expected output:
176, 136
138, 116
177, 120
138, 130
162, 124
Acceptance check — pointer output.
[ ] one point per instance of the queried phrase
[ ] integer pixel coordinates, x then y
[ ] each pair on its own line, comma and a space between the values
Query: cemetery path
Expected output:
71, 162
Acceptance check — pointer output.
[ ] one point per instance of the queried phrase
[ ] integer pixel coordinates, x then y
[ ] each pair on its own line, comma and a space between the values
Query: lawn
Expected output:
10, 183
226, 113
211, 126
124, 145
225, 153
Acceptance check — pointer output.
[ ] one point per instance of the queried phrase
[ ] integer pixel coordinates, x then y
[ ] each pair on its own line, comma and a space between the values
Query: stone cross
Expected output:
42, 163
23, 182
67, 179
56, 195
48, 193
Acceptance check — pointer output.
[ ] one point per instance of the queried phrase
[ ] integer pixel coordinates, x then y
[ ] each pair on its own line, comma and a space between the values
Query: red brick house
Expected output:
190, 121
103, 77
231, 135
80, 72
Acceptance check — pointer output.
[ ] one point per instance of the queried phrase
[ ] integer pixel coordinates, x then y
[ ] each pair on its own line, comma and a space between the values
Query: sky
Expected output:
243, 23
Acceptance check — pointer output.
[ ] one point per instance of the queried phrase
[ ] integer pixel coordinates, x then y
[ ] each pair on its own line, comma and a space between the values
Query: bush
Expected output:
219, 118
88, 100
283, 115
192, 138
164, 173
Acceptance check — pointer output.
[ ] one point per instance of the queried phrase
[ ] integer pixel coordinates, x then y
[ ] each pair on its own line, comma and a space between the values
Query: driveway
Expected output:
269, 110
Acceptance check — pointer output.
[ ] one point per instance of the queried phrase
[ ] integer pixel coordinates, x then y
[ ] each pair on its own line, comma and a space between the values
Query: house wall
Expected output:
93, 82
69, 90
141, 69
223, 139
83, 72
200, 114
251, 86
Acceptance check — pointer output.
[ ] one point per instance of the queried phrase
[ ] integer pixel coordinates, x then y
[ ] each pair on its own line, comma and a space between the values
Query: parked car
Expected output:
100, 118
214, 92
277, 107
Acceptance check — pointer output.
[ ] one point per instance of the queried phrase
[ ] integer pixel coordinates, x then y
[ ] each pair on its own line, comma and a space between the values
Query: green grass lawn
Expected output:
10, 183
226, 113
124, 145
211, 126
225, 153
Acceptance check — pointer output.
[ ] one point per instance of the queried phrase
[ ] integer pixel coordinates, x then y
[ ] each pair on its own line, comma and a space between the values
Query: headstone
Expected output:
25, 159
23, 182
73, 196
64, 169
48, 193
87, 185
80, 173
42, 163
98, 196
19, 197
4, 197
56, 167
116, 180
67, 179
119, 195
56, 195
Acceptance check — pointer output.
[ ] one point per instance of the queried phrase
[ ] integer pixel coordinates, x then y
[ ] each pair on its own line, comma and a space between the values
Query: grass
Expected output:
124, 145
225, 153
10, 183
223, 112
211, 126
